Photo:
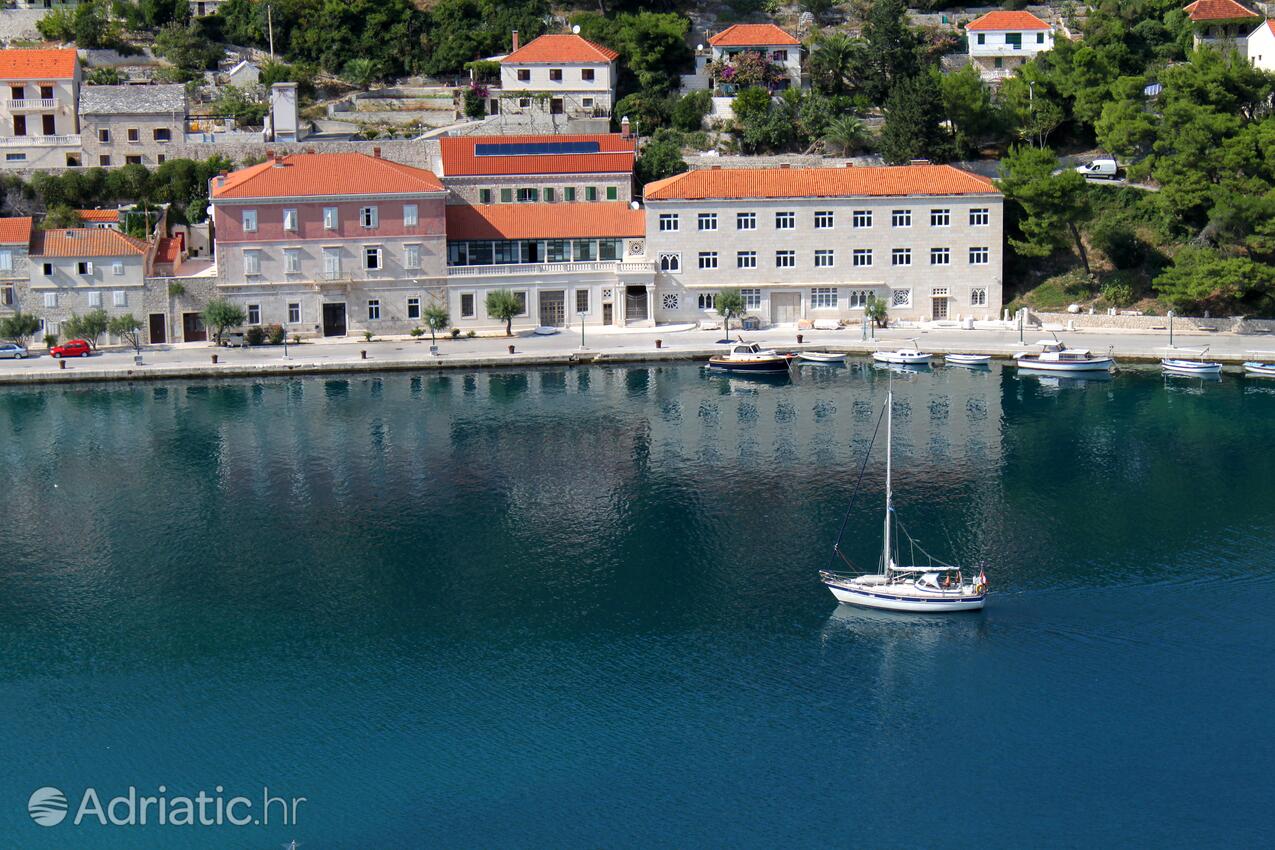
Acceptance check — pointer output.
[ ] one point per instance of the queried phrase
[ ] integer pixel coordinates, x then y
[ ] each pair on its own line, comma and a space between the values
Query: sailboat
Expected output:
936, 587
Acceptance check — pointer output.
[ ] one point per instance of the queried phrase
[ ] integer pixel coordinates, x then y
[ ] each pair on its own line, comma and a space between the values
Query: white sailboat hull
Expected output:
893, 598
1097, 364
902, 358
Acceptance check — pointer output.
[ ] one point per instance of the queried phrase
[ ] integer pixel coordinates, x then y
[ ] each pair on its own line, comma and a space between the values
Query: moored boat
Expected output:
1199, 366
1259, 370
913, 356
967, 359
827, 357
1055, 356
749, 357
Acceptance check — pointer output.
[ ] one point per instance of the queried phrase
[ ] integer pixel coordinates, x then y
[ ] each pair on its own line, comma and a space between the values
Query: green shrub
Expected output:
50, 340
255, 335
275, 334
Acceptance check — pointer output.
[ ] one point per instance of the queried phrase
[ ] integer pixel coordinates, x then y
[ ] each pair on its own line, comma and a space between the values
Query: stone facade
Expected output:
132, 124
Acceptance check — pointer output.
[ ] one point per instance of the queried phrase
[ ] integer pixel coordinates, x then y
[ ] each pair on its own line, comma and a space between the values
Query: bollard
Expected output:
659, 343
363, 355
511, 349
799, 338
61, 364
214, 359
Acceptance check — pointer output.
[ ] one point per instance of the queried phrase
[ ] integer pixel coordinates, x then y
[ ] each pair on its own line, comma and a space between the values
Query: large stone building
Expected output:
814, 243
121, 125
39, 124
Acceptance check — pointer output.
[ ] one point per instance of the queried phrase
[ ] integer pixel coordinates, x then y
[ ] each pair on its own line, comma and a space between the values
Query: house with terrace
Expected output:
1223, 24
553, 81
744, 55
39, 118
1000, 42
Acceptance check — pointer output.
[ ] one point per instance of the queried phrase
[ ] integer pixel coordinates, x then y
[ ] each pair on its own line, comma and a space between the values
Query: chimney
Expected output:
221, 179
515, 41
376, 152
624, 127
270, 155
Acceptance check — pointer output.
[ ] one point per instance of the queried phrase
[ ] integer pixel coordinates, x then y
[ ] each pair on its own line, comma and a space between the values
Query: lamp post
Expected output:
285, 346
582, 314
1170, 329
1020, 325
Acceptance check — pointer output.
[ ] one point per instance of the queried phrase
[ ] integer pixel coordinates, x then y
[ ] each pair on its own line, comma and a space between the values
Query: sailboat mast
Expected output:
889, 459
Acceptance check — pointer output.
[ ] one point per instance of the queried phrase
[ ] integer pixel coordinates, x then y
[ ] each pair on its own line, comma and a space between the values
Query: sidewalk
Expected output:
194, 360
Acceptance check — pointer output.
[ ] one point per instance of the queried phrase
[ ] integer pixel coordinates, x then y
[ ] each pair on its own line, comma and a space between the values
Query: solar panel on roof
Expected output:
535, 148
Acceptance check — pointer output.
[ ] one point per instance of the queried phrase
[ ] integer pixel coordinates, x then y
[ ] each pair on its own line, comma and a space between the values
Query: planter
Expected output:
659, 343
214, 359
511, 349
799, 339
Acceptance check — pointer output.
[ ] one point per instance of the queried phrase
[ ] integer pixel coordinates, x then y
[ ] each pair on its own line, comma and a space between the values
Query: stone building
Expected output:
39, 124
132, 124
15, 245
1001, 41
553, 80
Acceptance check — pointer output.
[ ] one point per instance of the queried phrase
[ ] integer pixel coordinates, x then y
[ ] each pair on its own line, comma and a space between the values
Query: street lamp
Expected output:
582, 314
1170, 329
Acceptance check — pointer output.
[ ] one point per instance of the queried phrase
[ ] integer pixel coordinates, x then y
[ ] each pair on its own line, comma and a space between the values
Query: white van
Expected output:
1102, 168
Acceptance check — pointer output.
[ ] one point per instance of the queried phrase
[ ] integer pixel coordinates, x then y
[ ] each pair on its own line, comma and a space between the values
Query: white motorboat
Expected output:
1199, 366
936, 587
967, 359
1259, 370
749, 357
913, 356
827, 357
1055, 356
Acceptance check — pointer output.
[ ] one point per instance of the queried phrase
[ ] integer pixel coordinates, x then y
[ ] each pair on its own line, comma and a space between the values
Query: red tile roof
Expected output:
85, 242
615, 156
567, 47
100, 216
740, 183
752, 35
15, 231
59, 64
1218, 10
1008, 21
544, 221
169, 249
326, 174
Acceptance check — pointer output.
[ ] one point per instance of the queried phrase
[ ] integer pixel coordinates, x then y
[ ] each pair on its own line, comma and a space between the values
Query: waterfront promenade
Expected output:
194, 360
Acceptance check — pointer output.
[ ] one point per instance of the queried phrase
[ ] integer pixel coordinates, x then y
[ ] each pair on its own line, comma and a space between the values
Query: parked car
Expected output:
13, 350
72, 348
1105, 168
233, 339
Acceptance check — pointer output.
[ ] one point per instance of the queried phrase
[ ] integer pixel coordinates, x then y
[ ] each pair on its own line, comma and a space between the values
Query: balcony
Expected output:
504, 270
40, 141
32, 104
1025, 50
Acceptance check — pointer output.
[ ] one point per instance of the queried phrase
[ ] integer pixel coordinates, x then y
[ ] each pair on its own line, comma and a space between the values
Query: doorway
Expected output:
50, 129
334, 320
785, 308
635, 304
193, 329
553, 308
157, 330
608, 314
939, 311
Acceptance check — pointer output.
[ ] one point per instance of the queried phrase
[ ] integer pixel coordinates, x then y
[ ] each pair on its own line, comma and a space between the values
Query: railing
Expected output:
33, 103
1025, 50
40, 141
616, 266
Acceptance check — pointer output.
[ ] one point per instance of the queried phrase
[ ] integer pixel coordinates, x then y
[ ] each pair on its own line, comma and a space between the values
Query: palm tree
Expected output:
845, 135
834, 61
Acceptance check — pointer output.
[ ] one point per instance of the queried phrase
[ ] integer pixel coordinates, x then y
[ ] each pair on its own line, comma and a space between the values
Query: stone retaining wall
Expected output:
1181, 324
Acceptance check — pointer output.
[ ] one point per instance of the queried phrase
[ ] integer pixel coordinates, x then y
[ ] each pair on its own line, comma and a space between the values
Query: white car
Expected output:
1103, 168
13, 350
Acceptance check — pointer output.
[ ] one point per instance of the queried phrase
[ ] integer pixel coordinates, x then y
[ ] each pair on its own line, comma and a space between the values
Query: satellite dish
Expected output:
576, 29
634, 205
699, 48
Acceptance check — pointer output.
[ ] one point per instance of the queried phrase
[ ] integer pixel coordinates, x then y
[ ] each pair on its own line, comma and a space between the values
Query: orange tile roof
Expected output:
100, 216
169, 249
616, 156
15, 231
85, 242
895, 180
1218, 10
752, 35
544, 221
1008, 21
567, 47
325, 174
58, 64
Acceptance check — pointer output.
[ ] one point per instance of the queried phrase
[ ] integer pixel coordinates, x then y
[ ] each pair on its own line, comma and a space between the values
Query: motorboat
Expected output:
546, 330
825, 357
1055, 356
967, 359
1259, 370
934, 587
913, 356
1199, 366
749, 357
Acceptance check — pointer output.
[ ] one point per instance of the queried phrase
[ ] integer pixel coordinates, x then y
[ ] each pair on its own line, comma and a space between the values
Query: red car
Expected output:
71, 348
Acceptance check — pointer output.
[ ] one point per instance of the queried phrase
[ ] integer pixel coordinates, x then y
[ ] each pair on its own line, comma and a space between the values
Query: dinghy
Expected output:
1199, 366
826, 357
967, 359
1260, 370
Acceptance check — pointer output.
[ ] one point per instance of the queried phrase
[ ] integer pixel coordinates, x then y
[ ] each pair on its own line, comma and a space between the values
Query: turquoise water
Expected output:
579, 608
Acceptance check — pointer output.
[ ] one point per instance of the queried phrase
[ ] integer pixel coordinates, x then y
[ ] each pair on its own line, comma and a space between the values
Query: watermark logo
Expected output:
47, 806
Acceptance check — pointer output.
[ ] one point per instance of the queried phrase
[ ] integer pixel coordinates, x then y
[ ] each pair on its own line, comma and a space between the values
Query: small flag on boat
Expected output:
982, 577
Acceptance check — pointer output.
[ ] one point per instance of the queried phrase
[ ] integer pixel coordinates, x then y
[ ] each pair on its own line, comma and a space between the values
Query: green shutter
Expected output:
506, 196
484, 196
569, 193
613, 193
549, 195
591, 193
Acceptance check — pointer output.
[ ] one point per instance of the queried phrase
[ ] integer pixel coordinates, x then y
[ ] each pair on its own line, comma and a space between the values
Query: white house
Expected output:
39, 113
1001, 41
1261, 46
1221, 23
556, 75
776, 45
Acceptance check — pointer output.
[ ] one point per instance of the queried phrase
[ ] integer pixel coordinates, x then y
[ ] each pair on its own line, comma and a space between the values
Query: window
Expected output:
250, 221
901, 257
373, 309
785, 259
119, 298
254, 314
586, 74
586, 250
779, 56
372, 257
668, 222
745, 221
591, 194
824, 259
1014, 40
569, 193
332, 263
940, 218
6, 296
524, 75
978, 297
862, 257
982, 38
555, 75
484, 196
610, 249
413, 308
252, 262
50, 299
670, 301
161, 158
528, 195
1040, 38
21, 157
705, 301
940, 256
132, 160
980, 217
558, 250
745, 259
823, 297
294, 313
861, 218
104, 136
521, 295
411, 256
752, 298
133, 134
858, 299
95, 299
84, 267
329, 218
901, 298
117, 269
785, 220
104, 160
290, 220
524, 103
506, 196
6, 261
368, 217
291, 260
613, 193
708, 259
979, 256
467, 305
48, 269
582, 300
708, 221
162, 134
671, 263
550, 195
823, 220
